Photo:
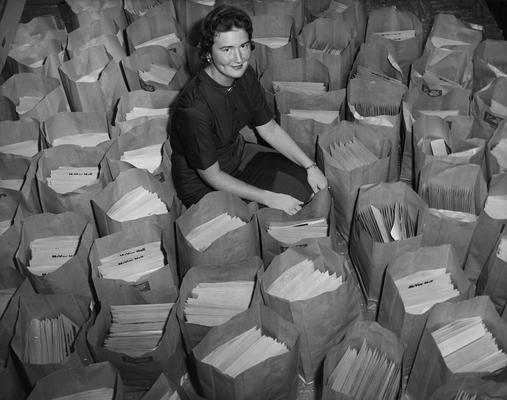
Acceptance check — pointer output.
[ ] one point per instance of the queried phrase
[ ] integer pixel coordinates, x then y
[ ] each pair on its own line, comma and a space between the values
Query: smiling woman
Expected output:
208, 151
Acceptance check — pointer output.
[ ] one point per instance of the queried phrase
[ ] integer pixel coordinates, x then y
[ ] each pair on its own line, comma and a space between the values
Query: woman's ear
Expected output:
208, 58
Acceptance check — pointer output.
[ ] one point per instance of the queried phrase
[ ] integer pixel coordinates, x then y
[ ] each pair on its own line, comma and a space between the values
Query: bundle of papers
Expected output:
133, 263
138, 112
244, 351
5, 297
438, 147
501, 252
391, 222
500, 153
148, 157
212, 304
273, 42
303, 281
27, 148
351, 155
13, 184
95, 394
92, 76
158, 74
67, 179
467, 346
323, 116
26, 103
4, 225
366, 374
137, 203
420, 290
449, 197
140, 8
496, 206
456, 215
325, 47
50, 253
462, 395
397, 36
294, 231
202, 236
300, 87
136, 329
49, 340
375, 110
164, 41
91, 139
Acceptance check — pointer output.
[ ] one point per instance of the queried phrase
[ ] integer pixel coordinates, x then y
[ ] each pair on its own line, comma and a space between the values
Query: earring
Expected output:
208, 58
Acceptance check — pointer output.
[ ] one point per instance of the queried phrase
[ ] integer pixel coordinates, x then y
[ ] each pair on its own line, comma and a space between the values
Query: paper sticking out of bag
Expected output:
300, 87
50, 253
27, 148
496, 206
137, 203
295, 231
138, 112
158, 74
351, 155
273, 42
164, 41
397, 36
203, 236
83, 139
148, 157
95, 394
26, 103
438, 147
322, 116
244, 351
66, 179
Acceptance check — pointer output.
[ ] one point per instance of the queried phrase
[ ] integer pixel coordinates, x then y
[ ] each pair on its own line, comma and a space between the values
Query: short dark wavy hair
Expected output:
222, 19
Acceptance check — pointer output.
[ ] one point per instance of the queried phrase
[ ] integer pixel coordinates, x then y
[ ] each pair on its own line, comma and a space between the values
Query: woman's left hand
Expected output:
316, 179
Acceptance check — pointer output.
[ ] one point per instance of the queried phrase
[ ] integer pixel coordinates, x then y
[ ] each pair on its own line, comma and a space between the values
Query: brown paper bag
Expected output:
249, 269
292, 8
125, 182
87, 12
392, 313
272, 25
490, 62
25, 129
370, 258
139, 372
144, 58
164, 386
456, 187
320, 206
500, 134
374, 62
375, 336
154, 287
338, 35
80, 379
430, 371
40, 28
473, 386
400, 31
7, 109
332, 100
321, 321
41, 306
49, 90
77, 200
278, 374
73, 275
489, 106
236, 245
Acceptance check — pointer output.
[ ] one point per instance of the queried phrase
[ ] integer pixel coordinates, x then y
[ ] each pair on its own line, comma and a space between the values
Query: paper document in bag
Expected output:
323, 116
83, 139
27, 103
50, 253
137, 203
67, 179
158, 73
165, 41
95, 394
300, 87
27, 148
273, 42
294, 231
496, 206
148, 157
138, 112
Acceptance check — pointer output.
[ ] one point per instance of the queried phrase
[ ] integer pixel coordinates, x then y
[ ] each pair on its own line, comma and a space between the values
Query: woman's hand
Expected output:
283, 202
316, 179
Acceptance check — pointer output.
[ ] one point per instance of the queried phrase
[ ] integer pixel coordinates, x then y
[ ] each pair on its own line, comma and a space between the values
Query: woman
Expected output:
208, 151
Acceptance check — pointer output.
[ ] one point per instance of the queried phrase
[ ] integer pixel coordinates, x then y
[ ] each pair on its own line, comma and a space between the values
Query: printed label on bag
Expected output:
431, 92
143, 286
491, 119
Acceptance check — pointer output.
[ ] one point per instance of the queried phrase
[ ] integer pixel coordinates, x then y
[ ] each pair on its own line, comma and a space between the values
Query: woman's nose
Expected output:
237, 56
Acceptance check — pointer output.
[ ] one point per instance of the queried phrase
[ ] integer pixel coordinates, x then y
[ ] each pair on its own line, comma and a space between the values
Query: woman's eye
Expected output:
245, 46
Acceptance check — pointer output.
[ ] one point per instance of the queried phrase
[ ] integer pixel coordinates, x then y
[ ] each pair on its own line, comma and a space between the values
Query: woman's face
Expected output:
229, 56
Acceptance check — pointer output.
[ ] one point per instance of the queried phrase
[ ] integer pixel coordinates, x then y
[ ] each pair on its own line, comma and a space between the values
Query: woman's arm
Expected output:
221, 180
273, 133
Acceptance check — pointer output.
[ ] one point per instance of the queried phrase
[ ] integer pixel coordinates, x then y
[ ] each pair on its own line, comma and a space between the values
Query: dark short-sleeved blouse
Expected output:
205, 128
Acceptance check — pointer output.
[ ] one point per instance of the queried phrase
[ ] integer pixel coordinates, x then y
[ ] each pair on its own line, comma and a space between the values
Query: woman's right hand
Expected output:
283, 202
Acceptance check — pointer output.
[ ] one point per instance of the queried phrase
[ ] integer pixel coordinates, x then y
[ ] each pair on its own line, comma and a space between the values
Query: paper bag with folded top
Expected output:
320, 299
143, 257
490, 62
53, 252
301, 75
414, 282
485, 389
489, 106
158, 29
366, 345
221, 228
352, 155
20, 137
446, 139
386, 223
139, 106
456, 354
266, 351
374, 62
164, 386
400, 31
279, 230
274, 39
35, 96
95, 380
85, 12
68, 177
429, 98
135, 195
291, 8
455, 187
496, 150
50, 334
100, 32
154, 68
141, 342
332, 43
211, 295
